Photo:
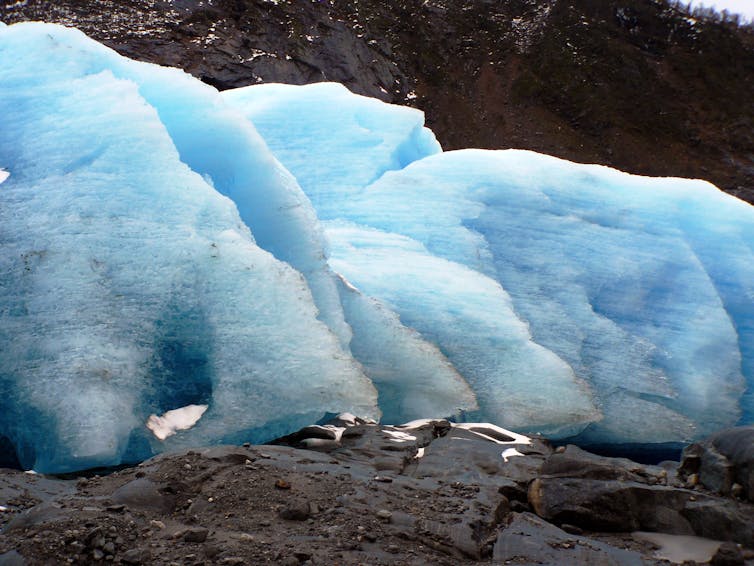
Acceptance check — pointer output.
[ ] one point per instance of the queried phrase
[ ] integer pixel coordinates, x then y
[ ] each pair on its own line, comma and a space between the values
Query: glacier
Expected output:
576, 300
181, 266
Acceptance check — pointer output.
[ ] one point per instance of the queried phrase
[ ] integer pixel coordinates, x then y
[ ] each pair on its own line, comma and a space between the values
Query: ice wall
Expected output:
155, 255
128, 285
570, 297
642, 286
333, 141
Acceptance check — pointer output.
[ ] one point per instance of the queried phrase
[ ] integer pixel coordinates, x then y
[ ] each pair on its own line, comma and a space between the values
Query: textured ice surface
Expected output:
564, 294
155, 257
128, 285
618, 276
333, 141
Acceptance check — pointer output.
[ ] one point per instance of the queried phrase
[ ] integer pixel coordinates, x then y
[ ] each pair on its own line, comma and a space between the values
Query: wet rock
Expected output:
529, 539
723, 461
605, 494
12, 558
144, 494
728, 555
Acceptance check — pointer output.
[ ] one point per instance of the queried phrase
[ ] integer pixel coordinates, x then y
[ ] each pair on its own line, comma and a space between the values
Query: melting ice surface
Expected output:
575, 299
156, 256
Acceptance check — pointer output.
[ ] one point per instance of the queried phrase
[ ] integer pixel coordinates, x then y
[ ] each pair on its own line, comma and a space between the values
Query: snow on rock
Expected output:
128, 285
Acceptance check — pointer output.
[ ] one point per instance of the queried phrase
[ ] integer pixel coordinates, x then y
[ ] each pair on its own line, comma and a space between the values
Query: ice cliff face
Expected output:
128, 284
156, 255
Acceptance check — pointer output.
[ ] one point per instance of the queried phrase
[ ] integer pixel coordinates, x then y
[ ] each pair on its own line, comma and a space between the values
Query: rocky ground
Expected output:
640, 85
358, 493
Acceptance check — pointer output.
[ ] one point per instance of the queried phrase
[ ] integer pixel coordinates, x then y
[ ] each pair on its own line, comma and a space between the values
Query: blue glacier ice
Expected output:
182, 267
129, 286
573, 298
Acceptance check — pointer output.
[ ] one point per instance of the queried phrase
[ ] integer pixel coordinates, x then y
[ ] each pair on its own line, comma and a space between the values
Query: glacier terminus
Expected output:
180, 266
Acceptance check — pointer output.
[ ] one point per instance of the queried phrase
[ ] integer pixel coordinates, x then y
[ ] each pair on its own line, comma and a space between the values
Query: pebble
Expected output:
384, 514
296, 511
154, 523
393, 548
282, 484
196, 534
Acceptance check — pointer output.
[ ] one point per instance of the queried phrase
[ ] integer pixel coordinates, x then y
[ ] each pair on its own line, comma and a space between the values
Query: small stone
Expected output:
384, 514
187, 466
736, 490
196, 534
728, 555
692, 480
97, 554
383, 479
560, 449
282, 484
247, 444
572, 529
393, 548
155, 524
109, 547
118, 508
296, 511
211, 551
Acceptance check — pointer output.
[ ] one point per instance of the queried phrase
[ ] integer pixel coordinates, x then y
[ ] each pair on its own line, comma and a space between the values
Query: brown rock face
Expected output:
635, 84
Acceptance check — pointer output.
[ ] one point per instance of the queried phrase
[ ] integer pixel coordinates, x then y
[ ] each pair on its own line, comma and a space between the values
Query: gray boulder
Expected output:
723, 462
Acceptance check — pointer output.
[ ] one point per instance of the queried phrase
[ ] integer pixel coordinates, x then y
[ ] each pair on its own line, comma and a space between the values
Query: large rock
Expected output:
724, 460
529, 538
604, 494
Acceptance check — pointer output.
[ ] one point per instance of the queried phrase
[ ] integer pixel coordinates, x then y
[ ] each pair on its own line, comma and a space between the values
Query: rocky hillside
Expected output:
636, 84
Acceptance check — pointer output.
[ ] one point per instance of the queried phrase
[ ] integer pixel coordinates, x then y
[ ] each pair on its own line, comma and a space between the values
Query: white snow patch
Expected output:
175, 420
510, 453
419, 453
397, 436
3, 175
338, 430
680, 548
348, 285
348, 418
2, 509
418, 423
493, 433
315, 442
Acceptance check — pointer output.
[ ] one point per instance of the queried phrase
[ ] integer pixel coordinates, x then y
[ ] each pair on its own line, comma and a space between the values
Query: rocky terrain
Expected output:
357, 493
636, 84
